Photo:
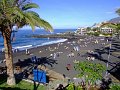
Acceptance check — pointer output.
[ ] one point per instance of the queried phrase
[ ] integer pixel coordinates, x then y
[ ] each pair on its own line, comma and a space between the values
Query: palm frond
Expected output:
4, 2
18, 12
29, 6
32, 13
29, 20
30, 23
38, 21
45, 25
11, 2
21, 23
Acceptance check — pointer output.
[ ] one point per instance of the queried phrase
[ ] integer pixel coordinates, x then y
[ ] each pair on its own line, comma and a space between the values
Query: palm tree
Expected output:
17, 13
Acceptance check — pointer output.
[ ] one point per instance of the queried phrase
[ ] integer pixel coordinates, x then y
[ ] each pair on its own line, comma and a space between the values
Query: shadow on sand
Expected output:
40, 61
3, 78
115, 71
28, 65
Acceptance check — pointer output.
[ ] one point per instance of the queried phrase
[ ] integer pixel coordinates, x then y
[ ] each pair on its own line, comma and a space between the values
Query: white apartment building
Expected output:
81, 31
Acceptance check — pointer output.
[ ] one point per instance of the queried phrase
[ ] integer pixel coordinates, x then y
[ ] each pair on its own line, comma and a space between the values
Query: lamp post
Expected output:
107, 64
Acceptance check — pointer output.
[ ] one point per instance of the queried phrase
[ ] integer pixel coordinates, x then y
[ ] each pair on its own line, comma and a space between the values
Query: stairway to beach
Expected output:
54, 78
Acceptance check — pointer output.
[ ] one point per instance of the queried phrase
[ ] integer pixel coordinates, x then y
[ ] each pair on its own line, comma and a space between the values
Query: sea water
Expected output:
22, 42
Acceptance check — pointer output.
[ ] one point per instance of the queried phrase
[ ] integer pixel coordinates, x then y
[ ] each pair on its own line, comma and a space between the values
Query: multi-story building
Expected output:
103, 29
106, 30
81, 31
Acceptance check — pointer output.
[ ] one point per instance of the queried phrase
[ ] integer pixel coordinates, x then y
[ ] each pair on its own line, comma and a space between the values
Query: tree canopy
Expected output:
18, 13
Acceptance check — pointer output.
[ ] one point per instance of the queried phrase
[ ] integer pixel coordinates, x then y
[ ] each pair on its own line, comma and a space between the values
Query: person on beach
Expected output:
72, 54
68, 67
27, 52
78, 54
16, 50
64, 75
54, 55
57, 55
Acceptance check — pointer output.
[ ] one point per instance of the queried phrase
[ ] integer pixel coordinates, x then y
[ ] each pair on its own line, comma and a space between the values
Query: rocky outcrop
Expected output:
51, 74
64, 36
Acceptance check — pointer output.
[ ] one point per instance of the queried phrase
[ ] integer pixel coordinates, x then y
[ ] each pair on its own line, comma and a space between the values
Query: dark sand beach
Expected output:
57, 56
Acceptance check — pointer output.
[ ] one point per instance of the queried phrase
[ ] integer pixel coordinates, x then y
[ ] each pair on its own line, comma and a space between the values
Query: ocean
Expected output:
22, 42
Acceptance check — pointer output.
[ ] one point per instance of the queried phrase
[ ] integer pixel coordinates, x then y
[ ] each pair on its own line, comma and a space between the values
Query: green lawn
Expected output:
21, 85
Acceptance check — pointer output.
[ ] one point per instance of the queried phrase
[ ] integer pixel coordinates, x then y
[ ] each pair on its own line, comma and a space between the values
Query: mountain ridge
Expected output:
115, 20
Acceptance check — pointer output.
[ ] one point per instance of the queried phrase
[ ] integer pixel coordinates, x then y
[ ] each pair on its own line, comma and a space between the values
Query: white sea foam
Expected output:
22, 41
32, 46
23, 47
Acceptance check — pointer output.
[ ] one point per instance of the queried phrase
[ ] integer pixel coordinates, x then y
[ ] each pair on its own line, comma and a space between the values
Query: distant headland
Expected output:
61, 35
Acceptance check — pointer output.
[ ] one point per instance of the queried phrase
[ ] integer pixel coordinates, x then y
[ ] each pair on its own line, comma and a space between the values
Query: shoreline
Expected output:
32, 49
64, 49
21, 48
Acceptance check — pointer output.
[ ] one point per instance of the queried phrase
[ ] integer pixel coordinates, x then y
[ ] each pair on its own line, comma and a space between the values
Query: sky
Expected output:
76, 13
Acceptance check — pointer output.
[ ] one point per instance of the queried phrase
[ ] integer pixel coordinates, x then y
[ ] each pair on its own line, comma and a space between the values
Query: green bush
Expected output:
115, 87
70, 87
73, 87
96, 33
91, 71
